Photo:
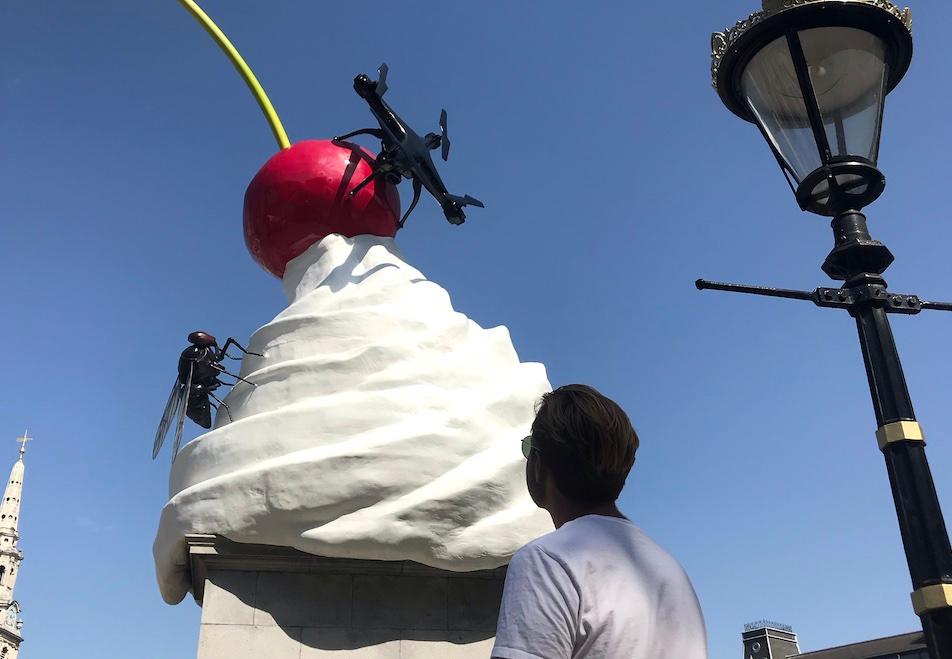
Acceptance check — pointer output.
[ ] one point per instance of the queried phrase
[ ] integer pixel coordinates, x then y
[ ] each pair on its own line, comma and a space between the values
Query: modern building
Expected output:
766, 639
771, 640
10, 557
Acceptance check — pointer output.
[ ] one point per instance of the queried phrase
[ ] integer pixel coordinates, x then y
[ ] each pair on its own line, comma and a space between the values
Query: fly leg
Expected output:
220, 369
231, 342
221, 403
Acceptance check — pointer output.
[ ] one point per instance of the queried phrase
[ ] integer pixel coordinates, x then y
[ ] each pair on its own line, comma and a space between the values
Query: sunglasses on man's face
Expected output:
527, 446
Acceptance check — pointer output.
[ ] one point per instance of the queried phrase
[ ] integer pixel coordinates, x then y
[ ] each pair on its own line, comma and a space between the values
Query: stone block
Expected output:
473, 604
229, 598
350, 643
276, 603
249, 642
399, 602
303, 600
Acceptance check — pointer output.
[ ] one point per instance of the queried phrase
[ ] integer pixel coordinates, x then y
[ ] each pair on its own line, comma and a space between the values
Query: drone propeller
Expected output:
466, 200
382, 79
444, 136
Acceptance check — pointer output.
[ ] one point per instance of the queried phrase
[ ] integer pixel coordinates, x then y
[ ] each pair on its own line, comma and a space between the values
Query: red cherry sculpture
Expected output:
303, 194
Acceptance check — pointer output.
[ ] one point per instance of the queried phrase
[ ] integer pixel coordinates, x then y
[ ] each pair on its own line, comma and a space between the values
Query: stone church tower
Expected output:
10, 557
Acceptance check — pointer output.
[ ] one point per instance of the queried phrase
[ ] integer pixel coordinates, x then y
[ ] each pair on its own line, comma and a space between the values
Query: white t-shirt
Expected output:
596, 588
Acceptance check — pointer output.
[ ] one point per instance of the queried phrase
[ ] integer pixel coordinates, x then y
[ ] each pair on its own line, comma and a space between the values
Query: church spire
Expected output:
10, 505
23, 440
10, 557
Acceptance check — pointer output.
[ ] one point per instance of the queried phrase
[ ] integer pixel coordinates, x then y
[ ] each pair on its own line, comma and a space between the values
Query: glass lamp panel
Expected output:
848, 70
770, 84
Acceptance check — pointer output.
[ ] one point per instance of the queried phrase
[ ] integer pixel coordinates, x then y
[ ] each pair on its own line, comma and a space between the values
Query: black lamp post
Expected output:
813, 76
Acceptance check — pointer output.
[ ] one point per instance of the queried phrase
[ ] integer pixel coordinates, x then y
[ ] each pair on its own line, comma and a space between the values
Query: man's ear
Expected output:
539, 472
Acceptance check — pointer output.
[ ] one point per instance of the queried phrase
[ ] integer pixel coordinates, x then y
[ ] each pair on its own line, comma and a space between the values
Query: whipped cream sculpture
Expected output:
384, 425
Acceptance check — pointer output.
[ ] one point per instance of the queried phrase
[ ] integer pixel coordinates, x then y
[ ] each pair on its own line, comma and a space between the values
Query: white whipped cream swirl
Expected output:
384, 425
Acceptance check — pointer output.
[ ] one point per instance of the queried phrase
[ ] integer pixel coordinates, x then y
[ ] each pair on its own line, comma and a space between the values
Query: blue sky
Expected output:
613, 178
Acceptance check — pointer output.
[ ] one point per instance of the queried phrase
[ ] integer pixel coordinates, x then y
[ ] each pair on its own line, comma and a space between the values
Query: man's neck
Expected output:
566, 511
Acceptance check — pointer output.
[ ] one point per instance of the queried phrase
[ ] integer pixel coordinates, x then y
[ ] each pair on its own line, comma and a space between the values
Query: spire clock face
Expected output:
10, 616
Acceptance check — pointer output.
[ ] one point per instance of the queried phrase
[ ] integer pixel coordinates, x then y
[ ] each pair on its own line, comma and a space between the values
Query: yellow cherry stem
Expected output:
249, 77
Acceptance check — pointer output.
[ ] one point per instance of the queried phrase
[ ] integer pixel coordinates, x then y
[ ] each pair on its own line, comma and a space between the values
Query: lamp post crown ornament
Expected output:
722, 41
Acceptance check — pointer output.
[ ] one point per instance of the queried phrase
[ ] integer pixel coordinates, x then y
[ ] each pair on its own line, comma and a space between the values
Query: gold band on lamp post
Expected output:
900, 431
931, 598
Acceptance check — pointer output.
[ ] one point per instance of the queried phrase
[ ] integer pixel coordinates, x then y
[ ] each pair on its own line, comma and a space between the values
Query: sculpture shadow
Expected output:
343, 275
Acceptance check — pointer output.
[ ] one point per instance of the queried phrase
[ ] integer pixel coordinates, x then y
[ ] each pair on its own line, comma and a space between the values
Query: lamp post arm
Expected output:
937, 306
846, 297
705, 285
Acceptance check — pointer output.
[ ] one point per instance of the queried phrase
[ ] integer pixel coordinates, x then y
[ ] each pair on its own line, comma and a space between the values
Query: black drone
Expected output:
199, 367
405, 154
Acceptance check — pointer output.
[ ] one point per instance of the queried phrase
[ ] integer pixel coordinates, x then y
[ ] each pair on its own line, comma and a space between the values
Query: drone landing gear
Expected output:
383, 166
375, 132
417, 188
363, 184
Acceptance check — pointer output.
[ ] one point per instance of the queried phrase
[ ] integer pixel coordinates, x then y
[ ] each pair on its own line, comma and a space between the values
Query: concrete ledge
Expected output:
259, 600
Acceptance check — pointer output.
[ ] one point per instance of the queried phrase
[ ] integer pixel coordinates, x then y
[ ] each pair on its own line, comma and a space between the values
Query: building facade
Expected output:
10, 558
771, 640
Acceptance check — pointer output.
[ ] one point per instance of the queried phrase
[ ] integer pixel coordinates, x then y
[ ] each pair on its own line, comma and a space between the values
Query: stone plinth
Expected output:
263, 601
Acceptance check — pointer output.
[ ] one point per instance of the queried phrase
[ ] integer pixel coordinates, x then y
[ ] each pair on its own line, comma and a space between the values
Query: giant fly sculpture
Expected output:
199, 367
404, 153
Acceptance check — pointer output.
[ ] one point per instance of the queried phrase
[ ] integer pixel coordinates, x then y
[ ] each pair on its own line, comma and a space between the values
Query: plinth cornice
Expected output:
208, 553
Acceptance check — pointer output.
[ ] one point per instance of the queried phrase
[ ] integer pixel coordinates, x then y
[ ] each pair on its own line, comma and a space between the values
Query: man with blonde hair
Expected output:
596, 587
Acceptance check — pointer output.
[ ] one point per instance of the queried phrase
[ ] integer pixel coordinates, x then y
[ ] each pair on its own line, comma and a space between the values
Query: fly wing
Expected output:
180, 423
171, 410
